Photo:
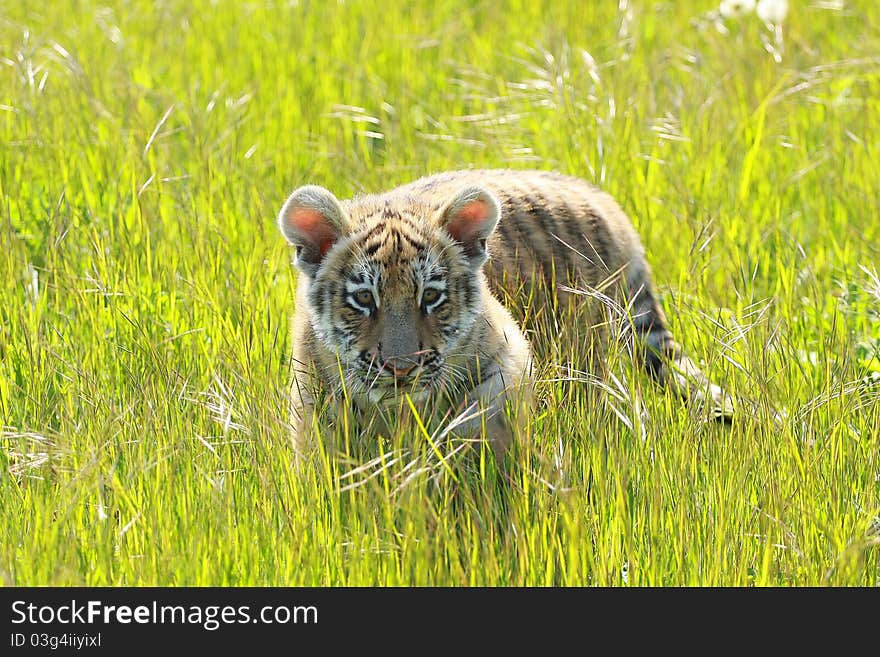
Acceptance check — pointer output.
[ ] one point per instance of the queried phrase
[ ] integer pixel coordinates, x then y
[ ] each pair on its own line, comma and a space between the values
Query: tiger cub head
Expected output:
394, 282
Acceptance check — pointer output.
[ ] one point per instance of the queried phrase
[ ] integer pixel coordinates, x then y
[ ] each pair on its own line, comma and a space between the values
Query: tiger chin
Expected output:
406, 296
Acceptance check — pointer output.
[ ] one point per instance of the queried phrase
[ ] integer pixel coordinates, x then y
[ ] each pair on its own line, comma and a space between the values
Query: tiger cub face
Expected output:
393, 284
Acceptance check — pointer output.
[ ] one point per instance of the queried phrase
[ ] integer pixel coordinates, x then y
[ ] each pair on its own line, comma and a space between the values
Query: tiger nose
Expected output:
399, 368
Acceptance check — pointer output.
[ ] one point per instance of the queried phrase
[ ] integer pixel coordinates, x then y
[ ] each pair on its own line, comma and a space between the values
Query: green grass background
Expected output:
145, 291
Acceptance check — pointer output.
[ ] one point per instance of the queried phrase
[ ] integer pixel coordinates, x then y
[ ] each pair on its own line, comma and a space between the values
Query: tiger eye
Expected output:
430, 295
364, 297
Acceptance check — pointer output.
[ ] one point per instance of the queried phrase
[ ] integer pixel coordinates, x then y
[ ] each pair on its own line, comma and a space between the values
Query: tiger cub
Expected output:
400, 293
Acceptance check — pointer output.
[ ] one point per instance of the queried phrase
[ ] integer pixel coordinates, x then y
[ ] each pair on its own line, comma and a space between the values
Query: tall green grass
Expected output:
145, 292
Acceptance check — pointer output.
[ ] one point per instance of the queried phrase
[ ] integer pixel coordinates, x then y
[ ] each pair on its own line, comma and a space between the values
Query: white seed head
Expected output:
772, 11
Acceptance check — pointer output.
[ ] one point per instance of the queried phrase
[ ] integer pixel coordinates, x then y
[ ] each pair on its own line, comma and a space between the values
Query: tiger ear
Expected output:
312, 220
470, 218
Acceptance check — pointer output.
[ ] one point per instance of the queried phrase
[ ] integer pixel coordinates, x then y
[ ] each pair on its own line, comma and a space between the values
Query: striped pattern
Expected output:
557, 237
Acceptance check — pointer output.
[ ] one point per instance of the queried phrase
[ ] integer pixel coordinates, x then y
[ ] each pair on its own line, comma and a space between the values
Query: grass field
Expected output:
145, 292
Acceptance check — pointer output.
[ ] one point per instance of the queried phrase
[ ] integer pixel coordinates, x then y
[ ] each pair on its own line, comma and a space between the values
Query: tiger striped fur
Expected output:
406, 292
